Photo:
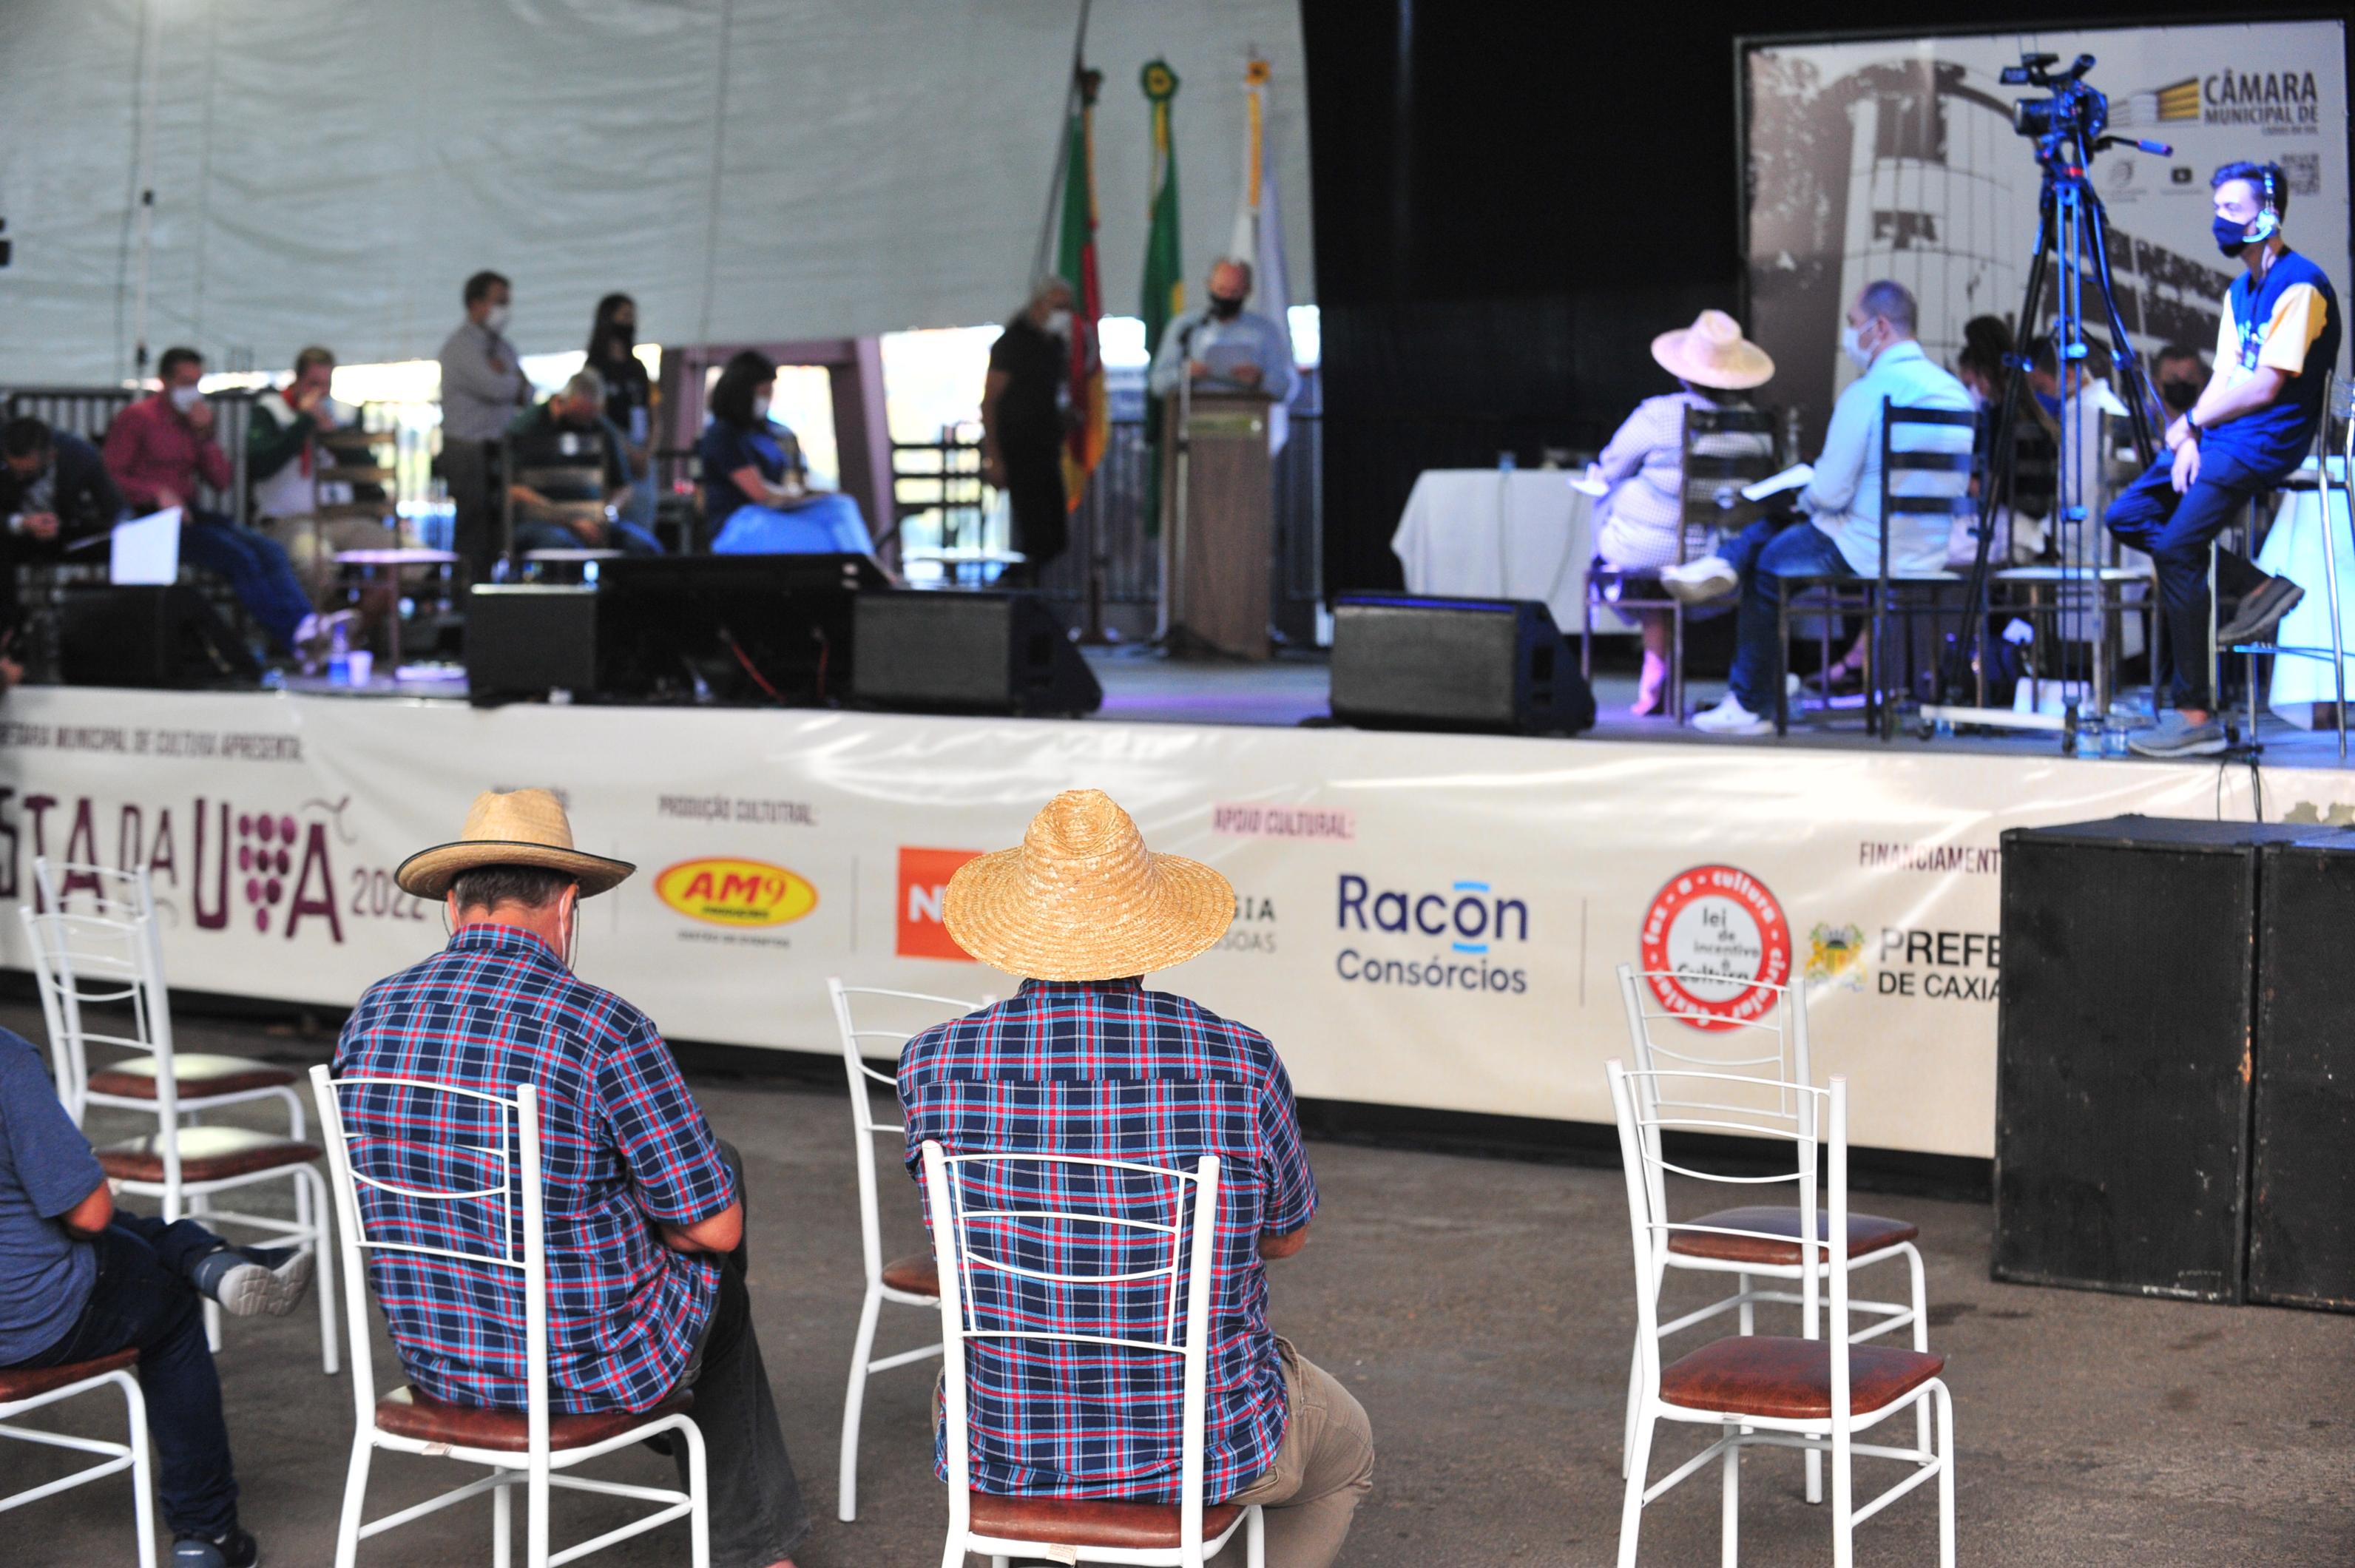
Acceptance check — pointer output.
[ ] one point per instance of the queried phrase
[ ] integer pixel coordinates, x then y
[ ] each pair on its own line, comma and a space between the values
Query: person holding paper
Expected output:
1223, 348
158, 450
54, 488
1640, 518
1841, 531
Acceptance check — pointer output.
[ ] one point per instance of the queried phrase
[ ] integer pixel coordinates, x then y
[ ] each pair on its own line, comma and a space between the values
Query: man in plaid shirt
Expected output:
644, 1207
1084, 1061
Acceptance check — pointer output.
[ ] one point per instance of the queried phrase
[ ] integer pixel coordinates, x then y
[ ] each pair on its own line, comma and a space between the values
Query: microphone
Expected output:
2157, 149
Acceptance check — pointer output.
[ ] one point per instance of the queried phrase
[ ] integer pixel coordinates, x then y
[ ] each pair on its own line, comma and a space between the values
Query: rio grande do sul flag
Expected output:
1075, 263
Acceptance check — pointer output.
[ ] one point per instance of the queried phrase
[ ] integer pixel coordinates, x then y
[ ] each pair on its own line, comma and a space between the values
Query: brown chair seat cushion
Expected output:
1771, 1375
918, 1274
28, 1382
195, 1076
1093, 1521
207, 1154
405, 1412
1866, 1234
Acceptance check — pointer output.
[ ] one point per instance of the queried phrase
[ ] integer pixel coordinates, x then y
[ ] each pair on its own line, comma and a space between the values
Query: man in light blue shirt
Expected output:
1841, 530
1223, 347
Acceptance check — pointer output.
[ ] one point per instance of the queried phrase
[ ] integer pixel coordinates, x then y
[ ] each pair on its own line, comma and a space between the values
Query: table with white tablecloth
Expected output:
2293, 549
1501, 533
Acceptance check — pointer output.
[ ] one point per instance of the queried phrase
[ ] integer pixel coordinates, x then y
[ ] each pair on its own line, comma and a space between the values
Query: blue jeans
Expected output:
1763, 553
627, 538
2175, 531
141, 1297
254, 566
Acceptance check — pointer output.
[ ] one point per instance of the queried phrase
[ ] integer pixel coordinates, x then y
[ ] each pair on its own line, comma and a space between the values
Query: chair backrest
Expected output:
1911, 467
858, 1040
420, 1189
1725, 448
83, 961
1670, 1025
989, 1211
1648, 1104
115, 891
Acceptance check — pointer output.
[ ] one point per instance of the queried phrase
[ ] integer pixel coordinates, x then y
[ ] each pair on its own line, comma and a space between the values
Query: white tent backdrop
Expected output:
331, 171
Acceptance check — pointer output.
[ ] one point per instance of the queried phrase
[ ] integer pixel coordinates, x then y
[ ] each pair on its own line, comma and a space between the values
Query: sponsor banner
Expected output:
1414, 927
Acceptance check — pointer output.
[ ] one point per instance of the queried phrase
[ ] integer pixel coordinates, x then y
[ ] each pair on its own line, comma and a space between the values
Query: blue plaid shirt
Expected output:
621, 1143
1110, 1070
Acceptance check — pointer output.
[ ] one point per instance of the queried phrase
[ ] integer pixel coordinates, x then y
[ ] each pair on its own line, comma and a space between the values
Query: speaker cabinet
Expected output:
524, 640
164, 635
2302, 1179
968, 652
1409, 662
2123, 1057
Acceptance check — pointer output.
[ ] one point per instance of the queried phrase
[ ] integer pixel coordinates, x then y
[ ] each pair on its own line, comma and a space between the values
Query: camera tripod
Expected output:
2071, 227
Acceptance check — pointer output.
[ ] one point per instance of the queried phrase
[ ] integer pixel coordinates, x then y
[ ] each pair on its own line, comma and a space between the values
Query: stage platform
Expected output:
1429, 926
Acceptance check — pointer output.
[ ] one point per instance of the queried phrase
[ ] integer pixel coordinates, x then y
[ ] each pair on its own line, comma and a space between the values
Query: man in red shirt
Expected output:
158, 449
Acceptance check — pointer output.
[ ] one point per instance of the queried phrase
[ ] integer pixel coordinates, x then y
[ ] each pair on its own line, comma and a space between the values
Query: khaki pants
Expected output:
1322, 1472
312, 544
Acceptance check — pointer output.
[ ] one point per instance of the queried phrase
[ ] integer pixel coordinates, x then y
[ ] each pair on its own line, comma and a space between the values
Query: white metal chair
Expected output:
1772, 1045
26, 1389
529, 1448
969, 1226
909, 1281
203, 1081
90, 960
1766, 1391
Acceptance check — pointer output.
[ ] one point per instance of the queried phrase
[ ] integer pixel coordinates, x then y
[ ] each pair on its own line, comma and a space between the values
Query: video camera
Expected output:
2076, 110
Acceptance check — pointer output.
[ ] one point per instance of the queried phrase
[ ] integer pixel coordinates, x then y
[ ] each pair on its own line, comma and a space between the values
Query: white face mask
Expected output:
1059, 322
186, 398
760, 408
495, 320
1852, 344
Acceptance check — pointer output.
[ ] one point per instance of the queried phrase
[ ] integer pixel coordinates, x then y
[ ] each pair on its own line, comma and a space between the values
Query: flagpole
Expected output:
1062, 145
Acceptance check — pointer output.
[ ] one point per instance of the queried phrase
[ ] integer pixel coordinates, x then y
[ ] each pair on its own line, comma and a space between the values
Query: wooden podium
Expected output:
1217, 539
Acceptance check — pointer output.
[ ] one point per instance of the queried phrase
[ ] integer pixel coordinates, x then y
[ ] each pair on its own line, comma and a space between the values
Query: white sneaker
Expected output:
1729, 717
1701, 581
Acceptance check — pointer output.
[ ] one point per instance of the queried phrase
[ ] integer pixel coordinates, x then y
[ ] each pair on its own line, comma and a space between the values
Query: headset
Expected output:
2268, 222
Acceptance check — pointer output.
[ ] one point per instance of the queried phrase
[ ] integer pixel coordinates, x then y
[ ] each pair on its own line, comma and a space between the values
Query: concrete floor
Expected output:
1482, 1311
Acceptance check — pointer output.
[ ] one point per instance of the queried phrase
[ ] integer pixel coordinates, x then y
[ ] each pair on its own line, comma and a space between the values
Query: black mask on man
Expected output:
2231, 237
1224, 308
2178, 395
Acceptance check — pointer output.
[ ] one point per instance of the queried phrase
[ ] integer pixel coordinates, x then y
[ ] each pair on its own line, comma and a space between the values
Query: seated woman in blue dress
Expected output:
756, 496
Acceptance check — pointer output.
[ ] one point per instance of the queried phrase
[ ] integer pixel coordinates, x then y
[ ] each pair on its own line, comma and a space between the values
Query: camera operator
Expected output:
2276, 340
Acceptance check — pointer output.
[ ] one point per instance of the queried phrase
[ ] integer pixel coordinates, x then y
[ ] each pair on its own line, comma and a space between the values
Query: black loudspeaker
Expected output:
524, 640
162, 635
730, 628
2124, 1007
2302, 1180
1408, 662
968, 652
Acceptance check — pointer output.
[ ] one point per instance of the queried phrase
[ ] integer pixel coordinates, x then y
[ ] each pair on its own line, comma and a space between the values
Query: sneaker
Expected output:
236, 1549
251, 1282
1729, 717
2175, 736
2260, 613
1702, 581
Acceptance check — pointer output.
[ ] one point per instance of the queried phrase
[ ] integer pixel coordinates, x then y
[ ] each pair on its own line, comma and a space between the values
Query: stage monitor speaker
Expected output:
968, 652
1410, 662
524, 640
2124, 1006
759, 629
2301, 1180
163, 636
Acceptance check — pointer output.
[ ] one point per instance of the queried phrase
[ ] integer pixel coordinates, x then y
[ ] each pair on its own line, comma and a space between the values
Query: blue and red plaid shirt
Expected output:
621, 1142
1109, 1070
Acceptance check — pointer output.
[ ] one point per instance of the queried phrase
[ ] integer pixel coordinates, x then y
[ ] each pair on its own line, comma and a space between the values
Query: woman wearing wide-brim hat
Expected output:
1637, 522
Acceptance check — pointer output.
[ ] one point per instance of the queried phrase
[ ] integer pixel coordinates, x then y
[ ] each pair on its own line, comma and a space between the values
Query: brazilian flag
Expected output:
1164, 274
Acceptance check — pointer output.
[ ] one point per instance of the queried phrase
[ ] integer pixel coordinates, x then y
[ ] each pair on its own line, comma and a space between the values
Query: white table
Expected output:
1483, 532
2293, 549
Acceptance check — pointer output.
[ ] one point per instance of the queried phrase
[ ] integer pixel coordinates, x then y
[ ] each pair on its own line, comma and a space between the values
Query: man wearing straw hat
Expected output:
1083, 1060
644, 1211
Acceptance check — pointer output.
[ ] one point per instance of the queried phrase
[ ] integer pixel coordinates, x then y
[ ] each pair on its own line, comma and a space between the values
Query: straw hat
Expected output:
1082, 899
1712, 352
519, 828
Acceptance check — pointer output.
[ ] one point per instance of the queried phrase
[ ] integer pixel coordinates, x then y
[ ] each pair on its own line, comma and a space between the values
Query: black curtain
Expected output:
1511, 201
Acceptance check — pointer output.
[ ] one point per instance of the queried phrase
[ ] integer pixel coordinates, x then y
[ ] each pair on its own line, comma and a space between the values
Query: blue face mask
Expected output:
2048, 401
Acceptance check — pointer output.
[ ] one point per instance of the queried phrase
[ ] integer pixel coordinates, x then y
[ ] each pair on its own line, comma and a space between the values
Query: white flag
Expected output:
1259, 238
